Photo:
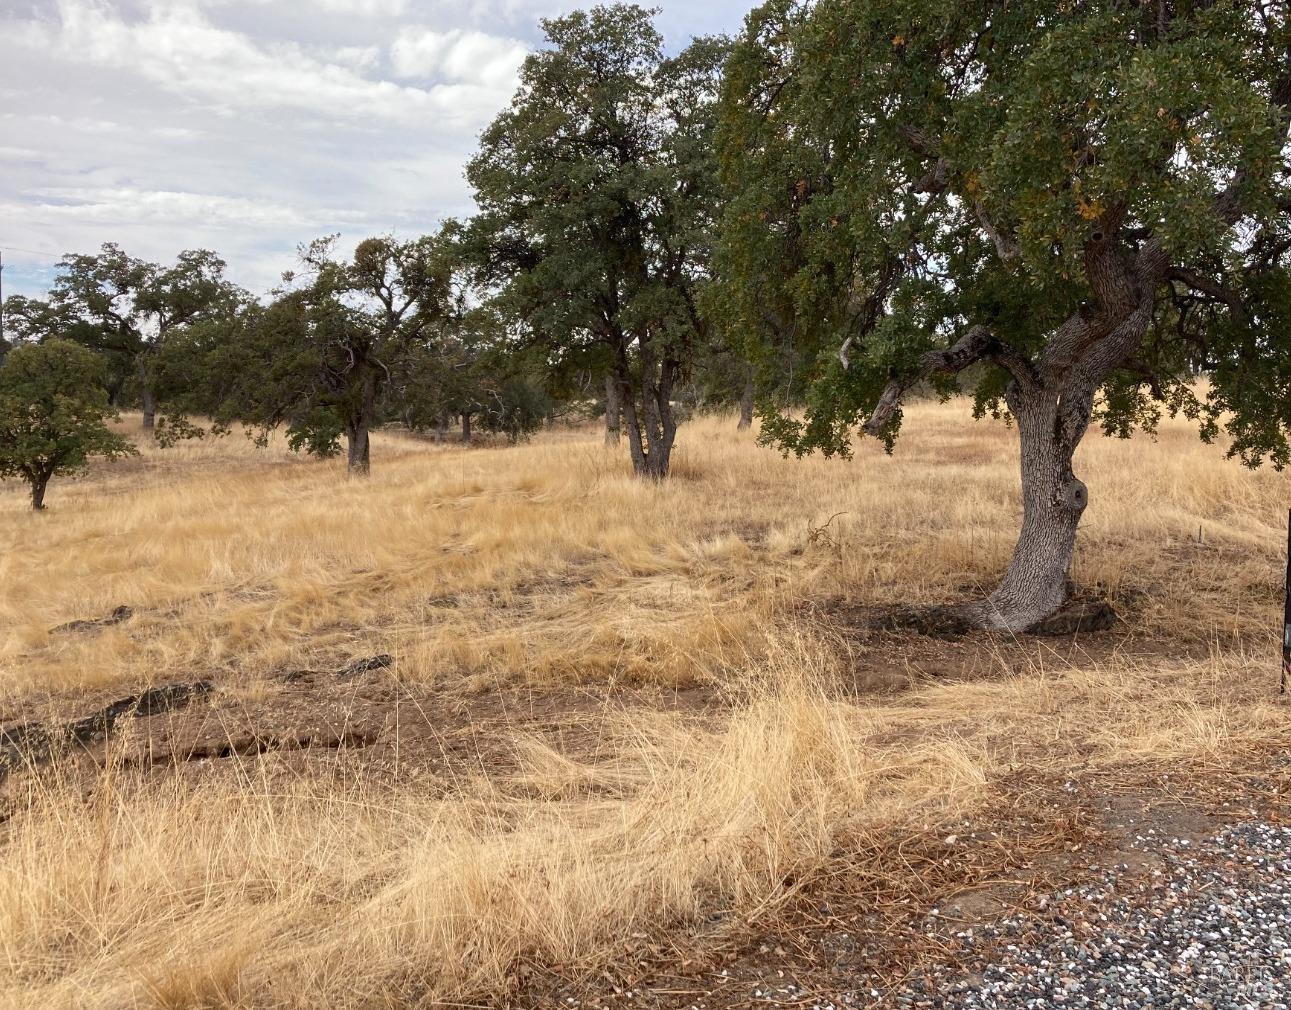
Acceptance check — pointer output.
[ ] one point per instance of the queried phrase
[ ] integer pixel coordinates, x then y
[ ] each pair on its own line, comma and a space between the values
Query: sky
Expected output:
252, 126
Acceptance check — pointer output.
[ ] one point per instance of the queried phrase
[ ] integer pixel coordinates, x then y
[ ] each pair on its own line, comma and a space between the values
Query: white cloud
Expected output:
467, 56
359, 8
366, 8
178, 48
247, 126
357, 57
168, 206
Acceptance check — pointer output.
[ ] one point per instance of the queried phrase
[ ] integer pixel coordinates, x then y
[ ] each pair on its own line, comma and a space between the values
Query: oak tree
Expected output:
1076, 208
322, 358
126, 308
53, 414
597, 199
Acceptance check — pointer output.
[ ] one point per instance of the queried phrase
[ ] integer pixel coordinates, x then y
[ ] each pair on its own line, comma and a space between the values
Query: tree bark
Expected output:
149, 407
1036, 583
651, 429
466, 428
746, 407
1052, 401
38, 485
659, 429
358, 458
613, 410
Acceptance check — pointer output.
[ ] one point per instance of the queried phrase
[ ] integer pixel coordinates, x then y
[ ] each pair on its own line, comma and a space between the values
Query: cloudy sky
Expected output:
249, 126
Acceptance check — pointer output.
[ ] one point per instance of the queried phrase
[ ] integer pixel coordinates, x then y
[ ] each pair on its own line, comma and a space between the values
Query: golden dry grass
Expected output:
547, 564
549, 561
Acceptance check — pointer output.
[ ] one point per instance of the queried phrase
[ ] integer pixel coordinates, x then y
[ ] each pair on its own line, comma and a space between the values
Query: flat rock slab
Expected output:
29, 744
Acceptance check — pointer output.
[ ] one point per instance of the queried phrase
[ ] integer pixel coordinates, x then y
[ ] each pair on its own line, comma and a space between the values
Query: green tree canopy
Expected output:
1069, 199
127, 309
324, 356
597, 193
53, 410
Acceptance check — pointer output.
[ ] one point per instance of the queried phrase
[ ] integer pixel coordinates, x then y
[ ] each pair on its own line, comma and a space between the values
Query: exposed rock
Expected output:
365, 665
99, 724
351, 669
31, 743
118, 616
24, 744
156, 700
252, 744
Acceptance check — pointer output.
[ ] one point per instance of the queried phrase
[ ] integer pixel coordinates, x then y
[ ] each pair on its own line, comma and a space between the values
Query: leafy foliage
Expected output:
324, 356
901, 170
597, 196
126, 310
53, 410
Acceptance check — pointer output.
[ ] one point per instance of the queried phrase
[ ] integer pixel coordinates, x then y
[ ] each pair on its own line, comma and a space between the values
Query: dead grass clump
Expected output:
208, 896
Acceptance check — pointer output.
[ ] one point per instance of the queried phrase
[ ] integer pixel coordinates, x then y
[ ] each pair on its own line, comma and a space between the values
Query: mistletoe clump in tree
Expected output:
598, 195
1081, 206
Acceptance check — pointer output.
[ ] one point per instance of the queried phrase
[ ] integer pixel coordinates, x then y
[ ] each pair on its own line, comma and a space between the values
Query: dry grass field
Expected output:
625, 726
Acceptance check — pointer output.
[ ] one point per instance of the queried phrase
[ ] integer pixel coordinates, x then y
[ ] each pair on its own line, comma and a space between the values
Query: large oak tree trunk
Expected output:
149, 403
650, 436
746, 407
149, 410
466, 427
358, 426
38, 485
656, 428
1053, 499
647, 408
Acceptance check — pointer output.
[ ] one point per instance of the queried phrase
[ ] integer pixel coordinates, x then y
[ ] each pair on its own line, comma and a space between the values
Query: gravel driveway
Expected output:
1208, 928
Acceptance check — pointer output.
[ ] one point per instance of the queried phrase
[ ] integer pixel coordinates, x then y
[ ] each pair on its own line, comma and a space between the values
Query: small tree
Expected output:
1079, 205
52, 413
328, 355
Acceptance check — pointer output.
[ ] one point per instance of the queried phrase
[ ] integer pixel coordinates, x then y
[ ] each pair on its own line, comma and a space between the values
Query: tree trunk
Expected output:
466, 428
358, 460
651, 433
651, 429
613, 410
38, 485
1053, 499
441, 429
149, 408
746, 407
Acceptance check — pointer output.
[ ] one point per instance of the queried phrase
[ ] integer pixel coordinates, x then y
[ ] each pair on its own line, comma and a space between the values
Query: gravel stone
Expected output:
1209, 930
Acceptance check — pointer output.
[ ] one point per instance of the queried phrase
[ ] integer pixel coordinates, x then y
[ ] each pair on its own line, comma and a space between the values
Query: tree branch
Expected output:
1151, 379
1005, 244
1216, 289
976, 345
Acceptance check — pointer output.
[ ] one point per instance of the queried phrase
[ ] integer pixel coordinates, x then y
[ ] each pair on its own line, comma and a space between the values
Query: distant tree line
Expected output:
1070, 210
